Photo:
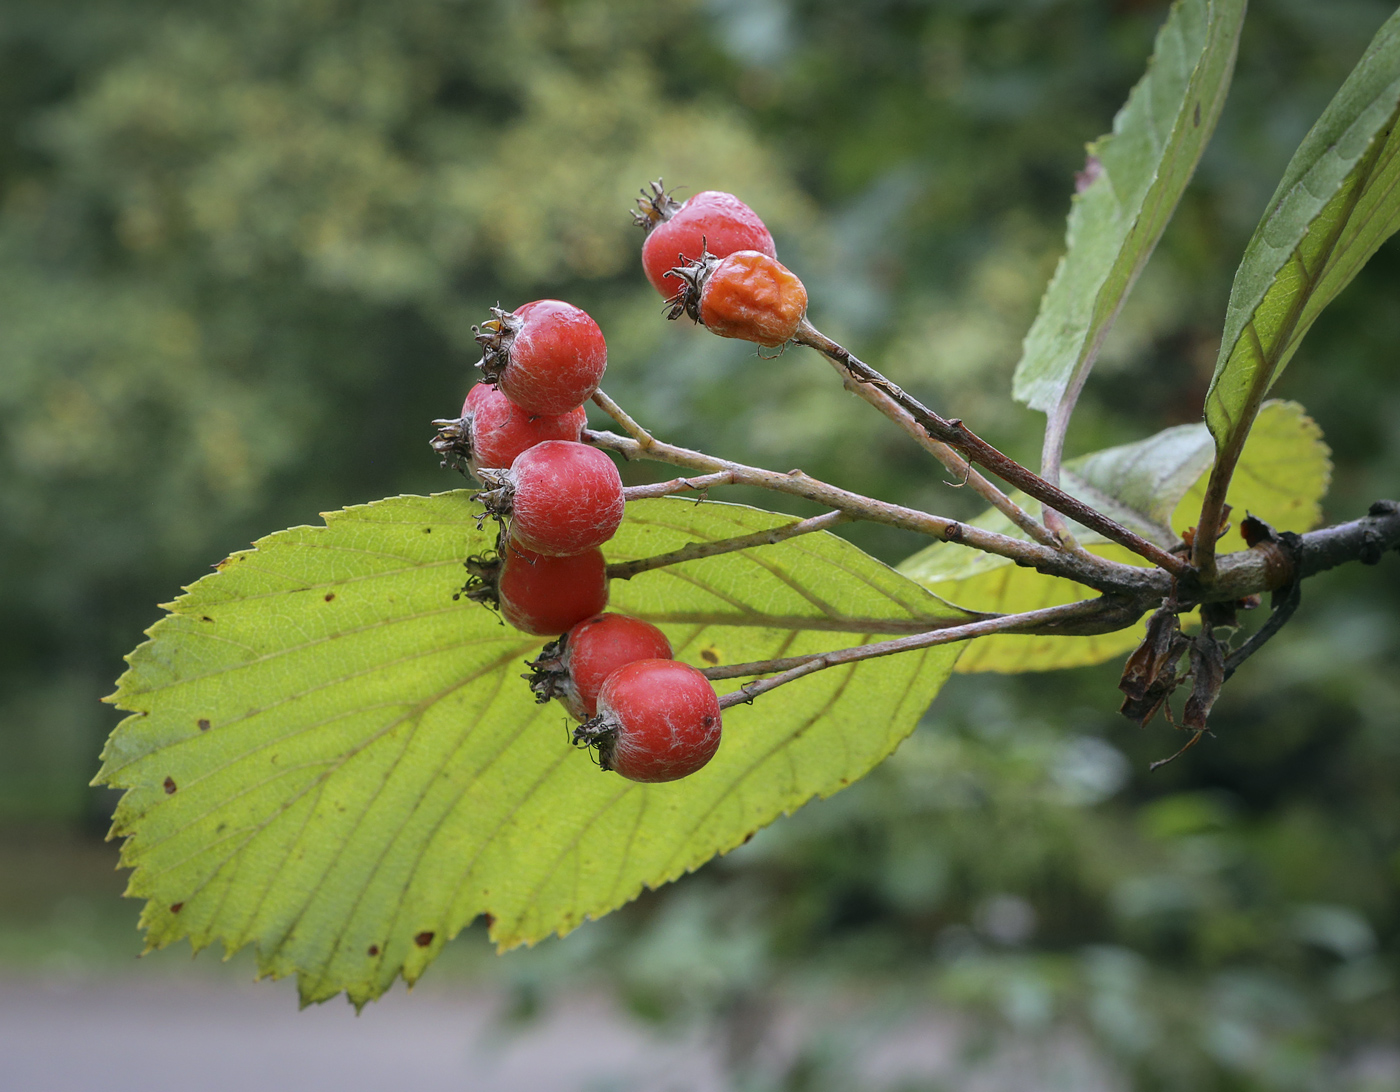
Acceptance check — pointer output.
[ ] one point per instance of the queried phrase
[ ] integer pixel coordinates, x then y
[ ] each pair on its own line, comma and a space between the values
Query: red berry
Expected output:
710, 221
562, 498
574, 667
500, 430
547, 356
547, 595
747, 295
475, 395
658, 720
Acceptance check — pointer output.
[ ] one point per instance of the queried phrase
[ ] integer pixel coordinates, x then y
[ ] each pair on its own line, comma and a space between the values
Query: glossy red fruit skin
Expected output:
754, 297
665, 720
597, 647
711, 221
556, 358
549, 595
567, 498
501, 430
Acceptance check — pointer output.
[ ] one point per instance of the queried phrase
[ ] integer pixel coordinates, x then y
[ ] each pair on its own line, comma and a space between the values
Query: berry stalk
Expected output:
958, 436
1087, 616
1084, 568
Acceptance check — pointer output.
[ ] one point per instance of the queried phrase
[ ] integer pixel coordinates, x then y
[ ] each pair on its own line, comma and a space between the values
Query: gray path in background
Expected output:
135, 1034
140, 1036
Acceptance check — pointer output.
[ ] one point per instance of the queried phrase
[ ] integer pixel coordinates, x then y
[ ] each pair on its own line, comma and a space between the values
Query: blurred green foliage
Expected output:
241, 247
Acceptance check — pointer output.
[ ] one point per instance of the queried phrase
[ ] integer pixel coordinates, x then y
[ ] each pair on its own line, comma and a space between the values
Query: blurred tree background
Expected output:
241, 248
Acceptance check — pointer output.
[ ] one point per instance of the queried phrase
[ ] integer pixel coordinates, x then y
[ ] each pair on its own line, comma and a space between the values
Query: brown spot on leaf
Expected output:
490, 920
203, 723
205, 618
1196, 115
329, 596
423, 939
427, 530
710, 656
176, 907
1093, 169
169, 785
374, 949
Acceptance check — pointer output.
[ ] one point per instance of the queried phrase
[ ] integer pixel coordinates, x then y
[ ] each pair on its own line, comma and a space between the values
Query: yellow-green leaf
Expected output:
1282, 478
332, 760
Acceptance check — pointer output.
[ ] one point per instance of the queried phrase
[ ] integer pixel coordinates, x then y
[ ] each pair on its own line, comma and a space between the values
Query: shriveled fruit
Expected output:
562, 497
547, 595
711, 221
747, 295
574, 667
548, 356
658, 720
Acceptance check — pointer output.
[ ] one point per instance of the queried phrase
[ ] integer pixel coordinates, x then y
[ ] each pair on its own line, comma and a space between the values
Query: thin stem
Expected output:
677, 485
955, 463
625, 570
1050, 619
623, 418
957, 435
1086, 569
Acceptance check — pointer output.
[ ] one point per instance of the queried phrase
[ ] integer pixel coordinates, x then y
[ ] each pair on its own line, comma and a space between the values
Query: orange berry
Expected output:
747, 295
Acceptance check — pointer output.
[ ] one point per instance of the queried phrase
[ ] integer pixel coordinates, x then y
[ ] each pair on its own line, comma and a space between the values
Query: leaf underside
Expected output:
332, 760
1282, 477
1142, 167
1337, 202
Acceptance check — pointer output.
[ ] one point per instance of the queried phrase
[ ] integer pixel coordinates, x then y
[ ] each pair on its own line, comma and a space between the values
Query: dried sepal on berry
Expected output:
453, 443
495, 336
655, 207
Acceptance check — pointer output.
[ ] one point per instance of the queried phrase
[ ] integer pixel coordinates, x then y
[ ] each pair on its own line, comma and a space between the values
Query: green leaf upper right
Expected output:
1135, 178
1337, 203
1153, 486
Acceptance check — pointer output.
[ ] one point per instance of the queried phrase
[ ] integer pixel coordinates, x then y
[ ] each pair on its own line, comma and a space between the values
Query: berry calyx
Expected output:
747, 295
562, 498
658, 720
493, 431
711, 221
547, 356
545, 595
574, 668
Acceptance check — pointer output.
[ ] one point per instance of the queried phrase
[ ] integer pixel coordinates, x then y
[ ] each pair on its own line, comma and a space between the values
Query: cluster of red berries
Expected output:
520, 434
650, 717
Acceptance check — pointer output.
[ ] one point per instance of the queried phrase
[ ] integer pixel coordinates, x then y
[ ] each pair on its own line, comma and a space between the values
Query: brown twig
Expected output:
1070, 618
957, 435
1085, 568
955, 463
677, 485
